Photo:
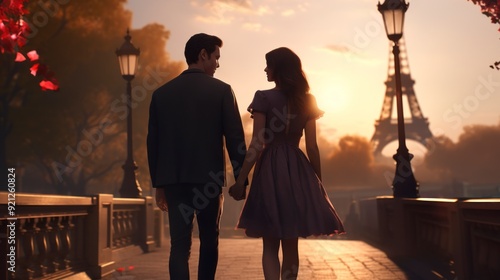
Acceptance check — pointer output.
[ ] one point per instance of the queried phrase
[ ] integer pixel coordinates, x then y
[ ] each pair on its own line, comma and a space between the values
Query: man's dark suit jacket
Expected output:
188, 120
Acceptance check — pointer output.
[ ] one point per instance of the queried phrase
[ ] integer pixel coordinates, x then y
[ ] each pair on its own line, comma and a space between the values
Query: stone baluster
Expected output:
125, 227
117, 222
53, 244
121, 229
129, 227
65, 241
27, 250
36, 261
41, 234
113, 231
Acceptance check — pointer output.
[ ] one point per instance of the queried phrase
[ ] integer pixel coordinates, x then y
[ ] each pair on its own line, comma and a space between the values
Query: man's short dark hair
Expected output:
199, 42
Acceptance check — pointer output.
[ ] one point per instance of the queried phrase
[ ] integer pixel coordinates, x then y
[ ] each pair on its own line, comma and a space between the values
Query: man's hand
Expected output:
238, 192
161, 201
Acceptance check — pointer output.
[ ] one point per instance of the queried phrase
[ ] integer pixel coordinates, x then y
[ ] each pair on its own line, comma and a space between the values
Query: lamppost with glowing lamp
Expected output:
404, 183
128, 57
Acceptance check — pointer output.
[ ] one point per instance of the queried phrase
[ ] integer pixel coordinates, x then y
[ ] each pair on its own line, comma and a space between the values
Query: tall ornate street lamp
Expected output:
404, 183
128, 56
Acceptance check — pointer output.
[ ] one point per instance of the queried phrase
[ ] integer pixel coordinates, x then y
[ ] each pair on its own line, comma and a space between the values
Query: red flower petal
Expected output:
33, 55
49, 85
7, 45
21, 41
34, 69
20, 57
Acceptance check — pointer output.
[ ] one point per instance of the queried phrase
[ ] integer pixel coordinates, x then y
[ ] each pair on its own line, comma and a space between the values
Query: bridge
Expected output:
104, 237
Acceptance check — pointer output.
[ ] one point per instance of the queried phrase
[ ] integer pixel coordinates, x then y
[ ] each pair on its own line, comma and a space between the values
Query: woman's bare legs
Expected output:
270, 260
290, 266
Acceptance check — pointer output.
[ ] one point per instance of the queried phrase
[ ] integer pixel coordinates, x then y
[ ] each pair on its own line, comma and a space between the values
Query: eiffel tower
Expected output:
386, 127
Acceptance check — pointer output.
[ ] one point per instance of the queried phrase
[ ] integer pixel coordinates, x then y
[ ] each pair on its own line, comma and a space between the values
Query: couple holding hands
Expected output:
193, 116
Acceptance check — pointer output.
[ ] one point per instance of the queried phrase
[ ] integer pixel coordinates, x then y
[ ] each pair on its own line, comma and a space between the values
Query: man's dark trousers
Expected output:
184, 201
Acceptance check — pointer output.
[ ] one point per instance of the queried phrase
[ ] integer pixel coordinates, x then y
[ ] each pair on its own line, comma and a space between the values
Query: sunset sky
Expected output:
345, 54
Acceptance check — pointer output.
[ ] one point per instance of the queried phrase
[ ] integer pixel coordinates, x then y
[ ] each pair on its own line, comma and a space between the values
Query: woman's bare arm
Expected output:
253, 153
312, 146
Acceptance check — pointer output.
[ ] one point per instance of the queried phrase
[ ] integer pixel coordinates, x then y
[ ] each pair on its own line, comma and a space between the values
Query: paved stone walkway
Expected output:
240, 258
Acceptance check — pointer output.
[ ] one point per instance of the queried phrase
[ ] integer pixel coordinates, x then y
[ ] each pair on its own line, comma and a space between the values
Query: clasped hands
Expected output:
238, 191
161, 200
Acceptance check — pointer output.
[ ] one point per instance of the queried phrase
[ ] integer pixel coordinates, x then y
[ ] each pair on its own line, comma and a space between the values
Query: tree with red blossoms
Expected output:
13, 40
491, 9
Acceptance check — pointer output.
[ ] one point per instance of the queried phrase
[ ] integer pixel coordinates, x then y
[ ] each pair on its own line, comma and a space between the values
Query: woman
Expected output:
286, 199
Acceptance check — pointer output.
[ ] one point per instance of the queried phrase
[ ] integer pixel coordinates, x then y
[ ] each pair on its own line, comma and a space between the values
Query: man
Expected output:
190, 117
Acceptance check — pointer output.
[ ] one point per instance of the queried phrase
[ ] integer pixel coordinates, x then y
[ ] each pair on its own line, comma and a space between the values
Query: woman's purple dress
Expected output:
286, 198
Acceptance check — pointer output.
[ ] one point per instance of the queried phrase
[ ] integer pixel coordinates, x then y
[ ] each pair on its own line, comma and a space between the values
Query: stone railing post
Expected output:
147, 225
98, 231
158, 227
368, 224
392, 225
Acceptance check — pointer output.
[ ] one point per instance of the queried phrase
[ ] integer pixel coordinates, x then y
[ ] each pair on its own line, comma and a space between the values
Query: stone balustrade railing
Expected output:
49, 236
460, 235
